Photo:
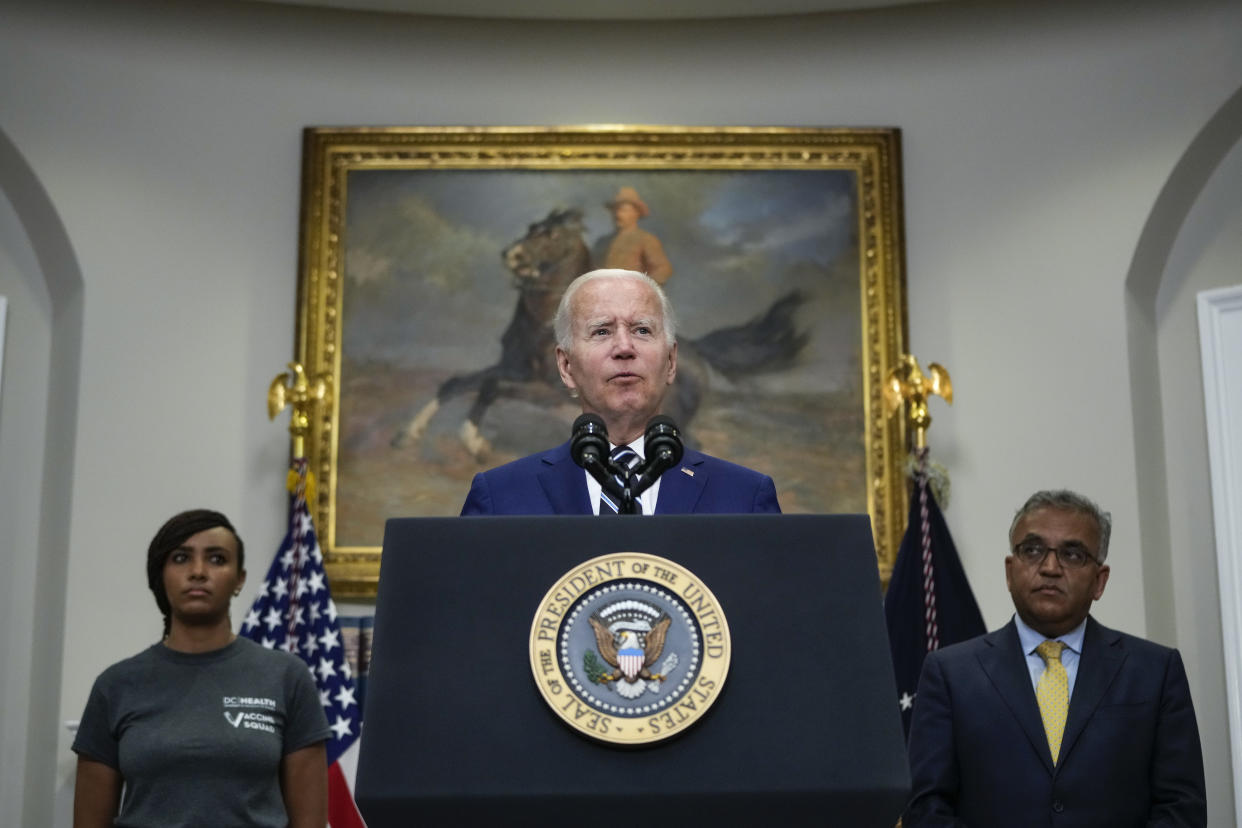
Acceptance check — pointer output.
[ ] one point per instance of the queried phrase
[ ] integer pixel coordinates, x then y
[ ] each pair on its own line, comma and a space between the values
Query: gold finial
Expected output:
293, 388
906, 383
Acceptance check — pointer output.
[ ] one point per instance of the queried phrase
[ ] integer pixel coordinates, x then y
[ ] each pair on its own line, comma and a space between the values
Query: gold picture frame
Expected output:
402, 287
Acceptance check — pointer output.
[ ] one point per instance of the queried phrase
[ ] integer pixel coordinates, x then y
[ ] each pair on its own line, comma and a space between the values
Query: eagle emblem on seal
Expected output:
630, 637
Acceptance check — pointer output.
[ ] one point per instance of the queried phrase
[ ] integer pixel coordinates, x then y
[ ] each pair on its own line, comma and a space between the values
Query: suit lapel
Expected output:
1005, 665
1102, 657
682, 485
564, 483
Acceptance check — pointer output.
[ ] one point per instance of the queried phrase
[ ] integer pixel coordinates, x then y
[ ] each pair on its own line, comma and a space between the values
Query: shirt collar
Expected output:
1031, 639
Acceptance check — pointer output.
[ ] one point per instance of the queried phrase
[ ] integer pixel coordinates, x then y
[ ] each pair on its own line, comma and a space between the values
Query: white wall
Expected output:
1037, 143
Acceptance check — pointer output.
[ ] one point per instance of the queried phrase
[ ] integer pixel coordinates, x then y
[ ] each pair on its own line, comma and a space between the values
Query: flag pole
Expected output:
295, 612
928, 602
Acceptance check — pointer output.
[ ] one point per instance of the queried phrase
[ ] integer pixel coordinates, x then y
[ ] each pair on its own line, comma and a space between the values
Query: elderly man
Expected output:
617, 352
1055, 720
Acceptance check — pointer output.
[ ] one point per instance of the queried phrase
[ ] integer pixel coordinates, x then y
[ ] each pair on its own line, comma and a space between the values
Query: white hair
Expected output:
562, 324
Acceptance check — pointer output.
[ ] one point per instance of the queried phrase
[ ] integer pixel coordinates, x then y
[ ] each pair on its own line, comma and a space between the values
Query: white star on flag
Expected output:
326, 669
330, 639
341, 727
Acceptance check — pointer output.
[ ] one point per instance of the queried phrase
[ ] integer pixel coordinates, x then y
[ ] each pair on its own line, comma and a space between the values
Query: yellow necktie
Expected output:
1052, 693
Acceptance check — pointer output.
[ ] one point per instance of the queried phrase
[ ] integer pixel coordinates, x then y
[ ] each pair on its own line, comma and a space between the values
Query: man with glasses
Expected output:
1054, 719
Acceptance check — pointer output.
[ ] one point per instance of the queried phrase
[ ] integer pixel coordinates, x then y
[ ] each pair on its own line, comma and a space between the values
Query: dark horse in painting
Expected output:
543, 263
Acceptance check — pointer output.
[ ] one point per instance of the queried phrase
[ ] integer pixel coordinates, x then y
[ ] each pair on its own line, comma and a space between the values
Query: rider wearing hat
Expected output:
632, 248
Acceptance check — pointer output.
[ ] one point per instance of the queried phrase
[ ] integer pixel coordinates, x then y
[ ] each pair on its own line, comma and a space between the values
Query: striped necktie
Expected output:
627, 458
1052, 694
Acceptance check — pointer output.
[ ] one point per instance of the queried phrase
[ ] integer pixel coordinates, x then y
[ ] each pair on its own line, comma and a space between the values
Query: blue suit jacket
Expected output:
550, 483
1130, 754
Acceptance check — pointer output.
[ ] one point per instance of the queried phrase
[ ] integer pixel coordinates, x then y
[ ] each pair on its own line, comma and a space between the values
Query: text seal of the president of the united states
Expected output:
630, 648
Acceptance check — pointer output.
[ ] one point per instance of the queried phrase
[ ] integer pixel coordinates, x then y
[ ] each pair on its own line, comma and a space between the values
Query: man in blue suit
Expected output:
1055, 720
617, 352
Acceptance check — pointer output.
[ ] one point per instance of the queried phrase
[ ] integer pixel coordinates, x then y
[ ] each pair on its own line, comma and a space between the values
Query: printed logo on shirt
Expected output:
250, 701
251, 721
250, 713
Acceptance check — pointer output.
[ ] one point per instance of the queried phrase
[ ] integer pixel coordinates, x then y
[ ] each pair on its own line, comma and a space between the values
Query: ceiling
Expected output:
601, 10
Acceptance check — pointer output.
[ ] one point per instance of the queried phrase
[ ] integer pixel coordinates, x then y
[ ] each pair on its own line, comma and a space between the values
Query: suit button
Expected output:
1058, 806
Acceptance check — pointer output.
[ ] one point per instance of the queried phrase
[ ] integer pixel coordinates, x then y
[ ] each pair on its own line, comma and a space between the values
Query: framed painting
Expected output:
432, 259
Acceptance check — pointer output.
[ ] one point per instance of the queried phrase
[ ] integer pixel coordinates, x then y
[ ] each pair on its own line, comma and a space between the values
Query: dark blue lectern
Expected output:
806, 730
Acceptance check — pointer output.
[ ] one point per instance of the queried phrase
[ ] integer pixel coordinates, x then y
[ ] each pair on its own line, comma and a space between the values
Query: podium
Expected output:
805, 731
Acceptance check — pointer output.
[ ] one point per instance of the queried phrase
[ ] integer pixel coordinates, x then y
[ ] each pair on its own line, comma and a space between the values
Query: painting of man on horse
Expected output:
448, 362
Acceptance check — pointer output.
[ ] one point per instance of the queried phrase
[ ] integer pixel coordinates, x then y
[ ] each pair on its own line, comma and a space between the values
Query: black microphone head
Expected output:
661, 421
589, 442
595, 421
663, 435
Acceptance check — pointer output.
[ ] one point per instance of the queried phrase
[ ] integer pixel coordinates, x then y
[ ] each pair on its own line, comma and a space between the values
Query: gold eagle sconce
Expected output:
906, 383
294, 388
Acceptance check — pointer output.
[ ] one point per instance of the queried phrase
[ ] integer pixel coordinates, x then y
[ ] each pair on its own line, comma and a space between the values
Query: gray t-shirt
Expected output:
198, 737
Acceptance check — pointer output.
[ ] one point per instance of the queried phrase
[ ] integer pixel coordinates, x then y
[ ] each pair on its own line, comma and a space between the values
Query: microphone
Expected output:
663, 447
589, 449
589, 444
662, 443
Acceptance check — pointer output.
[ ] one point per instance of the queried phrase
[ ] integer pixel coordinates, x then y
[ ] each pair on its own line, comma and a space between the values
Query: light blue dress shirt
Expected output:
1070, 655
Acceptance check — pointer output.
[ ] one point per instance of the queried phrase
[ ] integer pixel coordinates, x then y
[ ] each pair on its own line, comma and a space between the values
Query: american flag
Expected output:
294, 612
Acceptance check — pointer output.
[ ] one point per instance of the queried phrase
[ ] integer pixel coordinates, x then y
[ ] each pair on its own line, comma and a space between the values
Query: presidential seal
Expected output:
629, 648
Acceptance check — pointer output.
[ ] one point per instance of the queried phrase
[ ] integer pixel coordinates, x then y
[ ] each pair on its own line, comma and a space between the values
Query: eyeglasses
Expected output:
1071, 555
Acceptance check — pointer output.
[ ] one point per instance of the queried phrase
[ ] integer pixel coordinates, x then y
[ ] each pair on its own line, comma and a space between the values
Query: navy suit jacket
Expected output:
550, 483
1130, 754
